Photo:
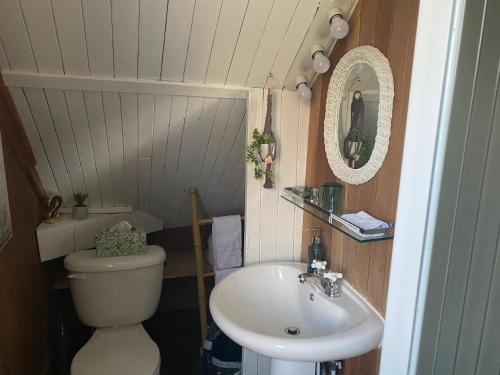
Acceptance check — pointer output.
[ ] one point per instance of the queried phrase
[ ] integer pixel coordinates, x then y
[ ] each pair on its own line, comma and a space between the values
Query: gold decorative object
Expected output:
50, 208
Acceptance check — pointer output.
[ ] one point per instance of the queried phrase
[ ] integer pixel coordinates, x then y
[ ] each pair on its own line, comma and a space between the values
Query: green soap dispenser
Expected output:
315, 250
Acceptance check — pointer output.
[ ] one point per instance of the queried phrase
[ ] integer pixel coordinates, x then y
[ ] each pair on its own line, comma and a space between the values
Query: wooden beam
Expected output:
73, 82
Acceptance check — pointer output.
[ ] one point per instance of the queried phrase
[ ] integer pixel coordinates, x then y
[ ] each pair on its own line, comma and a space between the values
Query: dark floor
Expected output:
177, 334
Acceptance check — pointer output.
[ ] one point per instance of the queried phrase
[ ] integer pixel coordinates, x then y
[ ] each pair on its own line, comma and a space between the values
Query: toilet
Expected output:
115, 295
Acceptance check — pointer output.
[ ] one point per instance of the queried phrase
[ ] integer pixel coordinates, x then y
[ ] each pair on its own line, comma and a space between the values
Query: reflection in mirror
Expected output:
358, 115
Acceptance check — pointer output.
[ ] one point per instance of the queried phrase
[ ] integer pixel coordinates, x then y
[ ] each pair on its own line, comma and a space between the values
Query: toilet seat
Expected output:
122, 350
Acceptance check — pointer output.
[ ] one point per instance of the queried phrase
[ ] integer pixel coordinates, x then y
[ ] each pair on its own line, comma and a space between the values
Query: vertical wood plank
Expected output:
153, 15
177, 118
237, 116
146, 118
144, 175
205, 128
63, 128
302, 141
42, 34
82, 129
289, 132
43, 122
114, 132
228, 180
228, 31
89, 109
125, 21
145, 139
177, 31
238, 202
160, 137
193, 113
487, 361
219, 128
277, 25
14, 37
269, 197
130, 145
199, 148
42, 164
206, 16
253, 195
99, 36
68, 18
250, 35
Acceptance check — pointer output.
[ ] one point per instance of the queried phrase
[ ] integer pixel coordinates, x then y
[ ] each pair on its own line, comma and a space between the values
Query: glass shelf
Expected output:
334, 220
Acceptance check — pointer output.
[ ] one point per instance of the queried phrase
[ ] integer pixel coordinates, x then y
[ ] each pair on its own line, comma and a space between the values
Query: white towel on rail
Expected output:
220, 274
226, 235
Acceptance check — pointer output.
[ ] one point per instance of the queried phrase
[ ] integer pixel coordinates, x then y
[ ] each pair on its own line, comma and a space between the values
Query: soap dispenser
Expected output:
315, 250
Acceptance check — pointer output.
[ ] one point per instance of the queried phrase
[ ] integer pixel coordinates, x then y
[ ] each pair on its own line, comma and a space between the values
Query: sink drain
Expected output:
292, 331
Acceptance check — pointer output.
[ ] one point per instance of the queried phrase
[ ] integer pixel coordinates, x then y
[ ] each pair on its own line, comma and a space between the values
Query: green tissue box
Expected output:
120, 243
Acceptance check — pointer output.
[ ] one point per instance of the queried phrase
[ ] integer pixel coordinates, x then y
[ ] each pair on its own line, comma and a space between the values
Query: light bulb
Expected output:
304, 92
321, 63
339, 27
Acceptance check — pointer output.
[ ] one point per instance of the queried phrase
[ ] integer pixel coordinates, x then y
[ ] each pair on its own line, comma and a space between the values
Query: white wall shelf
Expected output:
68, 235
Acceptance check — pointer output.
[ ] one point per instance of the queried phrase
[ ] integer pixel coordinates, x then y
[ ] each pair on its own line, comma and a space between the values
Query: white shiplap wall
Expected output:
234, 42
139, 150
273, 227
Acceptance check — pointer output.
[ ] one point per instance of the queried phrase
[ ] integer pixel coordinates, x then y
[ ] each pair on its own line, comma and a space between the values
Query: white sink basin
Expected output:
255, 305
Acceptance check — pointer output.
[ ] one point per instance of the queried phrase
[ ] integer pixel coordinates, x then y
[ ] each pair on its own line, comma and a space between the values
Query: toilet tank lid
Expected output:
86, 261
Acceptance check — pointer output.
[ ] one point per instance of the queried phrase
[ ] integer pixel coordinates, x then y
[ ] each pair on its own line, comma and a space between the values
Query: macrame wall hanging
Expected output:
263, 148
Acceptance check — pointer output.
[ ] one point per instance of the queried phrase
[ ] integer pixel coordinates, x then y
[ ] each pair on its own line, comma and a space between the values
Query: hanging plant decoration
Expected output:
262, 150
253, 151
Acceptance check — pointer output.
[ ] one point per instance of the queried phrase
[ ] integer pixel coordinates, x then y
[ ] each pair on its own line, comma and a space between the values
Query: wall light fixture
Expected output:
303, 91
339, 28
321, 63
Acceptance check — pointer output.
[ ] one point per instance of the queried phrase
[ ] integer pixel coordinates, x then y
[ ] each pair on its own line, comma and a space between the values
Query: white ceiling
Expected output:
231, 42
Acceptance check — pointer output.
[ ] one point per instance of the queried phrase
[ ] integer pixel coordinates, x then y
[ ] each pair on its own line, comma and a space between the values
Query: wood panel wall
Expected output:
22, 315
390, 26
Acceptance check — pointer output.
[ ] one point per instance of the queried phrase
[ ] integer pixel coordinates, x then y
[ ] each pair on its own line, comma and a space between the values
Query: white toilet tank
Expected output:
115, 291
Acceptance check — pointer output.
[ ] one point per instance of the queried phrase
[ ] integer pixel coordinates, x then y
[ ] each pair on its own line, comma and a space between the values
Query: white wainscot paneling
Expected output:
273, 228
138, 150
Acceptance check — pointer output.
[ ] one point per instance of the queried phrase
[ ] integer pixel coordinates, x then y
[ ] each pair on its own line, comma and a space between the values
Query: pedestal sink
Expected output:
264, 308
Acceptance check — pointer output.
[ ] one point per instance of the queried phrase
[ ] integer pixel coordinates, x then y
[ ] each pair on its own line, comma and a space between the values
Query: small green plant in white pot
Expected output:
80, 210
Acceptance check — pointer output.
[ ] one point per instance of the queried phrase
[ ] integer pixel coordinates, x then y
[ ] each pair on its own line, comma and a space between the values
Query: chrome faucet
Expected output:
326, 280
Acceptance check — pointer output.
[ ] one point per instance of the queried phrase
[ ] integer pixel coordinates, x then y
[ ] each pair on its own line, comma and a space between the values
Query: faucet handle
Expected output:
333, 276
318, 266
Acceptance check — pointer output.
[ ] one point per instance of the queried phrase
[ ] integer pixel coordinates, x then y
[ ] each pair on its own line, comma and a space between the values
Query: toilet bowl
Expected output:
115, 295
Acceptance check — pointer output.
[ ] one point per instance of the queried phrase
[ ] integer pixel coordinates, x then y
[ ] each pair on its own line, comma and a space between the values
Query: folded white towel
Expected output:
226, 234
364, 221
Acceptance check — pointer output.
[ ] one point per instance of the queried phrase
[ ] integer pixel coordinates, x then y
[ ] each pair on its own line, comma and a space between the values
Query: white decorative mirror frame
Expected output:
379, 63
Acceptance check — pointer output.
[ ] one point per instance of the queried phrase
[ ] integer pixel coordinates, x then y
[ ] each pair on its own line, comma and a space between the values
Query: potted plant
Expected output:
80, 210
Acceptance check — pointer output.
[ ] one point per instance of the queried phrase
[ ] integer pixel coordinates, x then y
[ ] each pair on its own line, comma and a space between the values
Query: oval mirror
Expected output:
358, 115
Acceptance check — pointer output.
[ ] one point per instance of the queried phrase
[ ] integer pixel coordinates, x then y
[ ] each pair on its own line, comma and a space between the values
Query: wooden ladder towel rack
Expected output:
201, 272
198, 252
